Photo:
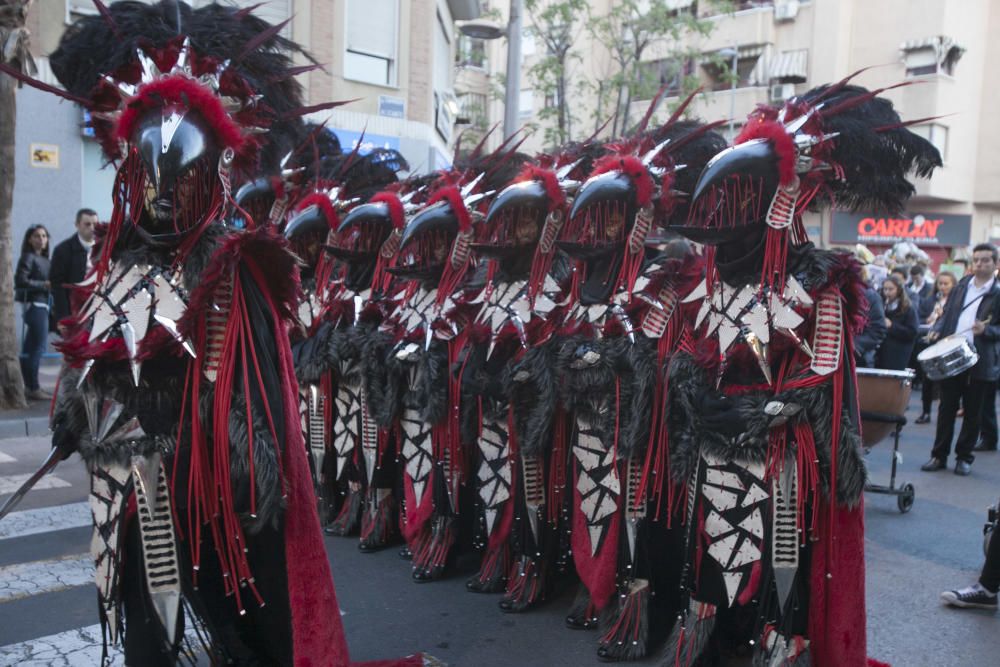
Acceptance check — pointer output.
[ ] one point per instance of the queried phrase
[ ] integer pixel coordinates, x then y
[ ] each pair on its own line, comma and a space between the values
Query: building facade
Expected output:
784, 47
394, 58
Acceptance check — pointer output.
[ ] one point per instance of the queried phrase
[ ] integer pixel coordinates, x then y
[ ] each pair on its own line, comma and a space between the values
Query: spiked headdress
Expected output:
836, 143
179, 98
627, 192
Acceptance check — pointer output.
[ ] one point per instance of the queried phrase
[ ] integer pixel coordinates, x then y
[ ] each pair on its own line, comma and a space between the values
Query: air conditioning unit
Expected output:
782, 91
786, 11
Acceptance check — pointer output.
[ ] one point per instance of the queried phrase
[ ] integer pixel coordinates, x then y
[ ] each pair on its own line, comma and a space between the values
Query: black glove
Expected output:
65, 440
721, 414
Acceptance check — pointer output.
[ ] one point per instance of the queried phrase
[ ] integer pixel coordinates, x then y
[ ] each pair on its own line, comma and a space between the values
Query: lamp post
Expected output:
734, 75
483, 29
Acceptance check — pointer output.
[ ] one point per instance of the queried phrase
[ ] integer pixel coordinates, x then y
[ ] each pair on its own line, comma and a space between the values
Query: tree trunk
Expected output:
11, 382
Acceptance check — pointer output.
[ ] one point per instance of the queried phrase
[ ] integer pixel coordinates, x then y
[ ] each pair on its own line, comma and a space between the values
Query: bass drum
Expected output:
884, 392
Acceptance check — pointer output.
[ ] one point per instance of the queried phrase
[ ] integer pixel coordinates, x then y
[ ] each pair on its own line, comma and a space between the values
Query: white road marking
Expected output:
6, 458
76, 648
44, 520
81, 646
44, 576
11, 483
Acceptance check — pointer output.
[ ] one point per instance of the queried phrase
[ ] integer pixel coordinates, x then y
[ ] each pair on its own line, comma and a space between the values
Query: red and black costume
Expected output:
606, 367
762, 408
180, 391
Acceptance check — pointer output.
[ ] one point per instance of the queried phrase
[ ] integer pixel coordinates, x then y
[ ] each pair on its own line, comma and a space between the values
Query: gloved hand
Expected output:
721, 414
65, 440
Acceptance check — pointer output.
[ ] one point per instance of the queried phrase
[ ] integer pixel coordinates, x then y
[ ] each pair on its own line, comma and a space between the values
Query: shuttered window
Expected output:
372, 35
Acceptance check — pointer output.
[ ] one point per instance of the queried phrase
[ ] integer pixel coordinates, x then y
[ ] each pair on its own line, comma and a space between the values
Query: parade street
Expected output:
48, 613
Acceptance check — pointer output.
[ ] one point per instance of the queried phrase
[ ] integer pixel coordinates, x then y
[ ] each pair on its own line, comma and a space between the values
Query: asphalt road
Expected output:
48, 613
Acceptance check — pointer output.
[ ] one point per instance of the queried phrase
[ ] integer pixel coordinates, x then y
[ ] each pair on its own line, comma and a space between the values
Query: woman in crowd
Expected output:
945, 282
31, 281
901, 322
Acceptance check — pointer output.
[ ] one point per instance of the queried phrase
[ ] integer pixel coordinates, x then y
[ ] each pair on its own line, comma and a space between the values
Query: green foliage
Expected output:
555, 24
629, 29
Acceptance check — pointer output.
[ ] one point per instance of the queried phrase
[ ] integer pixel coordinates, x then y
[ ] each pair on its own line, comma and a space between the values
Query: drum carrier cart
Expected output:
906, 493
883, 396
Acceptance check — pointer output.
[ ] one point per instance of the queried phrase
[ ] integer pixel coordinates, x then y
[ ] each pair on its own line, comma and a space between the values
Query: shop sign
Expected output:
45, 156
349, 140
922, 229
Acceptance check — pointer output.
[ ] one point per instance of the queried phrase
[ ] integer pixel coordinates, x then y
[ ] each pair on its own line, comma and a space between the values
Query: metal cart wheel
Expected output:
905, 499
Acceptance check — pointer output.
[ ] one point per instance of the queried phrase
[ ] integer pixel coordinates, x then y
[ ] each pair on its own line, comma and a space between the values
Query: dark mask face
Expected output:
307, 233
180, 162
733, 194
255, 198
602, 217
426, 244
513, 224
358, 240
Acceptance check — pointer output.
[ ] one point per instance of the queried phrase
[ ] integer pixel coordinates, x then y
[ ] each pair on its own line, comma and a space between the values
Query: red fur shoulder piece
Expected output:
549, 181
263, 248
632, 167
773, 131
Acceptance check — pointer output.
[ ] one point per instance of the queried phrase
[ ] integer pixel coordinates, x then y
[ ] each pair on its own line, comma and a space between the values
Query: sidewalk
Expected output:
34, 419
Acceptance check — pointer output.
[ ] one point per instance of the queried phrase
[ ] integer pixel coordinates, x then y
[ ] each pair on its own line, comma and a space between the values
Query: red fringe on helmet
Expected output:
549, 180
632, 167
321, 201
784, 146
188, 94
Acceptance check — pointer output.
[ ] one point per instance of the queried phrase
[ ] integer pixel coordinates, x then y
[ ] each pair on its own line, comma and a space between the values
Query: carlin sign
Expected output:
923, 229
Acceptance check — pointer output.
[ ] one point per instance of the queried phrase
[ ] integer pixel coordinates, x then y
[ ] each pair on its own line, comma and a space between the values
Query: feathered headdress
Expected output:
837, 143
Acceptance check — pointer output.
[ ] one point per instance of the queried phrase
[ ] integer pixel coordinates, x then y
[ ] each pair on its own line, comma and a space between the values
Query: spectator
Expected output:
71, 262
943, 286
922, 287
973, 311
31, 280
901, 326
983, 593
867, 342
963, 265
902, 272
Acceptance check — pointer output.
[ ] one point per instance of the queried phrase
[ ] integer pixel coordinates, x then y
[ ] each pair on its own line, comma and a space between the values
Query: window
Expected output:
471, 52
937, 134
372, 28
472, 109
669, 72
526, 106
527, 42
933, 55
748, 69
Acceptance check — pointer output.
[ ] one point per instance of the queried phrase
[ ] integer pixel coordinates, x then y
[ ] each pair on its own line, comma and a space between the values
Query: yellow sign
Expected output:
45, 156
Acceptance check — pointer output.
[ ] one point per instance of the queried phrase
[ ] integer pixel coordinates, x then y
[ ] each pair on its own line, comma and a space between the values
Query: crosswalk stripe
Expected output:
11, 483
45, 520
6, 458
44, 576
81, 646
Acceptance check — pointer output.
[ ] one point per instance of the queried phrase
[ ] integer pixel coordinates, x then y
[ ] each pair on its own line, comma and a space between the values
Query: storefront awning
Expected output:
941, 45
790, 66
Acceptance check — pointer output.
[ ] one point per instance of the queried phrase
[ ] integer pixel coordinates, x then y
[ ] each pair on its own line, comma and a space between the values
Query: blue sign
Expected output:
392, 107
349, 140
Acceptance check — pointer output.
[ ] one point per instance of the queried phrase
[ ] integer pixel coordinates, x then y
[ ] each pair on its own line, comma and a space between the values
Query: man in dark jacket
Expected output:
867, 342
973, 311
71, 261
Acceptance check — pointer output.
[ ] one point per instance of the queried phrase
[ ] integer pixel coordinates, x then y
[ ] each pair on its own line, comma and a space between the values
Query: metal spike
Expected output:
648, 157
150, 71
564, 171
471, 185
183, 58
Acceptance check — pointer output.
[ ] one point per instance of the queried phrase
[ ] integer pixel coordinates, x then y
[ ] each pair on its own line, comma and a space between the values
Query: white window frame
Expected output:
391, 60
